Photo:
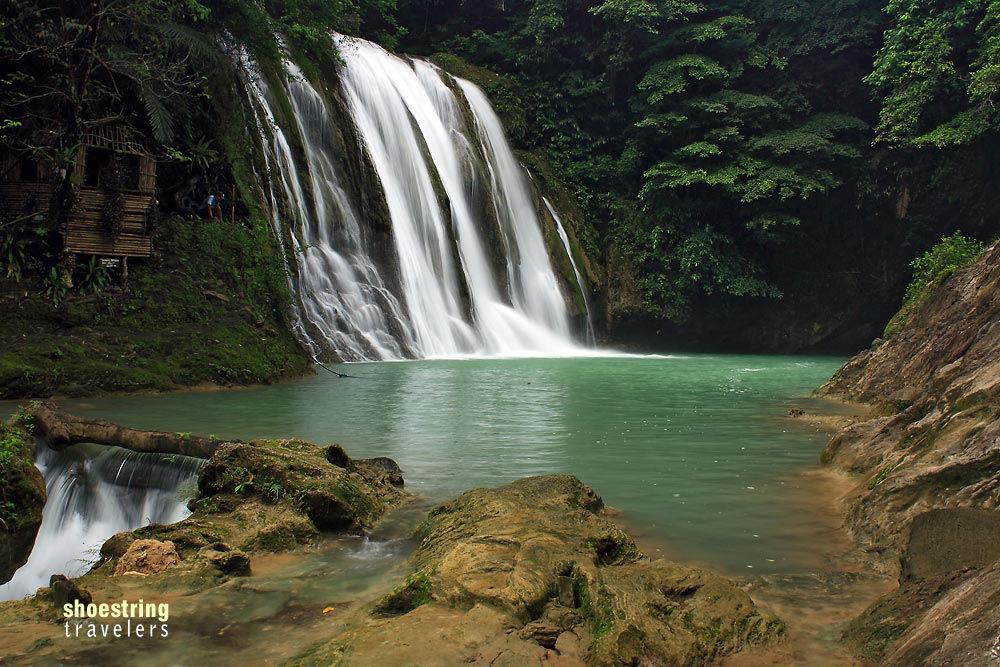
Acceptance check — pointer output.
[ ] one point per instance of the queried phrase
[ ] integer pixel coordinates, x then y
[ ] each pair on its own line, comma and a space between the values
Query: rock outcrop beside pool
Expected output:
533, 571
22, 495
931, 444
274, 495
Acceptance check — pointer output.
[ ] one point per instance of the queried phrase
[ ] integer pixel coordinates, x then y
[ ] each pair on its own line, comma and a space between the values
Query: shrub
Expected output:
949, 255
930, 269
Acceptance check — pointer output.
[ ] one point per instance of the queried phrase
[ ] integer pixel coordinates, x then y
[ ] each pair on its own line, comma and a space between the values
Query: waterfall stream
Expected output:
564, 237
93, 493
433, 150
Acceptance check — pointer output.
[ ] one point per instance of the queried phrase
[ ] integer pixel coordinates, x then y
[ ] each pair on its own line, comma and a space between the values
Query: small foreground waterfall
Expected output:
414, 229
93, 493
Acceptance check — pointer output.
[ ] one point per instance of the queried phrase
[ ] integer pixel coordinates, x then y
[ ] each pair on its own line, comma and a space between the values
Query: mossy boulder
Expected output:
22, 495
272, 495
534, 571
335, 496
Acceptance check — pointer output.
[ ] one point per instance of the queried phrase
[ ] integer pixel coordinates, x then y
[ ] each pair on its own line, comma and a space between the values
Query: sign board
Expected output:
111, 262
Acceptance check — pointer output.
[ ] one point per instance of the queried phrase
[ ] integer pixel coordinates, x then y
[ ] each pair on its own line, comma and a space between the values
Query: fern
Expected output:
157, 114
196, 43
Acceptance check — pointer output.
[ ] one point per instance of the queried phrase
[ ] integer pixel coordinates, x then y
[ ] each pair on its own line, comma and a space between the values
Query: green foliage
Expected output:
55, 287
949, 255
13, 252
211, 310
679, 127
15, 447
24, 249
931, 269
937, 75
92, 276
15, 457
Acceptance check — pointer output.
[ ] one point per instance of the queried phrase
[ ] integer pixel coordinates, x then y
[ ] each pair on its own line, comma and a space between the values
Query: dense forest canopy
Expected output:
732, 158
751, 149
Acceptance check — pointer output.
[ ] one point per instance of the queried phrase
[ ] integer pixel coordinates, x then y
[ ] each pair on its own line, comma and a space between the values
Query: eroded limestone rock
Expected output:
928, 507
147, 557
532, 572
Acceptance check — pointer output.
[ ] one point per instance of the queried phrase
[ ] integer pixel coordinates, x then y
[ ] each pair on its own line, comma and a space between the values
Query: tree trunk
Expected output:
61, 430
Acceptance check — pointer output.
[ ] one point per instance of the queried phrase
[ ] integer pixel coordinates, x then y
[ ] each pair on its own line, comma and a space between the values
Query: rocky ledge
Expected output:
533, 572
274, 495
259, 496
928, 458
528, 572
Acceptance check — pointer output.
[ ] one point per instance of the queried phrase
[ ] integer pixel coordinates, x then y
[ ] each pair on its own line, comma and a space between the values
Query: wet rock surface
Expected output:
928, 503
946, 609
255, 499
272, 495
147, 557
532, 572
64, 590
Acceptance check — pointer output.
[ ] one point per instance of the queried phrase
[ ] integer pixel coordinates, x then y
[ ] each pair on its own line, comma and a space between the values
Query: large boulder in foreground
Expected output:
22, 495
533, 571
928, 503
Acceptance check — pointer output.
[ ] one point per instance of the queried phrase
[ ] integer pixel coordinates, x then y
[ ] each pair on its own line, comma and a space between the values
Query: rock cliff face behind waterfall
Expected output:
930, 461
412, 230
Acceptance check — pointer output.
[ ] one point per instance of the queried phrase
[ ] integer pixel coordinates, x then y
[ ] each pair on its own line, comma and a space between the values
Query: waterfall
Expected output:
428, 146
341, 302
576, 271
93, 493
532, 279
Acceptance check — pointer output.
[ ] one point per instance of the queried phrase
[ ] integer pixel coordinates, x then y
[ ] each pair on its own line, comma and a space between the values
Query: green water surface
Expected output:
695, 450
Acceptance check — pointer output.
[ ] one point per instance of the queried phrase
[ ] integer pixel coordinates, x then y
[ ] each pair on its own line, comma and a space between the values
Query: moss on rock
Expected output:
272, 495
522, 569
22, 495
413, 592
334, 497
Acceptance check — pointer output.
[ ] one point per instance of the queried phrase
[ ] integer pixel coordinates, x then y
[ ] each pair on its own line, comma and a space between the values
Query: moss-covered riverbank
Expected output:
22, 495
210, 307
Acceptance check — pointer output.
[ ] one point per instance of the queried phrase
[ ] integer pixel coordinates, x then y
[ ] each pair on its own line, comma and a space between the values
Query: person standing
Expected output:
213, 204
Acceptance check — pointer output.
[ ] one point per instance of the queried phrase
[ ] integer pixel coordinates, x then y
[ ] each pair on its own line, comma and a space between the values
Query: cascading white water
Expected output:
342, 304
534, 286
564, 237
444, 298
423, 244
93, 493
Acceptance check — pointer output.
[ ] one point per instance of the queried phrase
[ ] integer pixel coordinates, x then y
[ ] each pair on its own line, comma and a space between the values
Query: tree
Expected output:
937, 75
70, 68
723, 157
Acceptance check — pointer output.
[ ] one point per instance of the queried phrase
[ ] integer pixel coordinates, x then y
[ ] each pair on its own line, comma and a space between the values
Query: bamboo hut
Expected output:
27, 187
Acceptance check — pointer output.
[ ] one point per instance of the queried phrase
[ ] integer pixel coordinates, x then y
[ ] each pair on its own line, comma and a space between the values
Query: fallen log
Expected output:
60, 430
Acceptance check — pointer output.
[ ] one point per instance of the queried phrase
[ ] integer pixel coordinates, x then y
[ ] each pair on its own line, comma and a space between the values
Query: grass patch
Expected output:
209, 307
930, 270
